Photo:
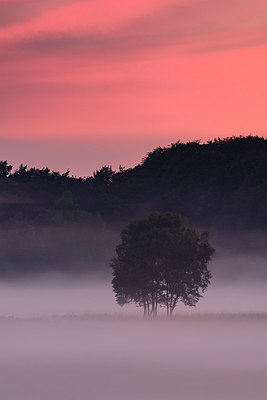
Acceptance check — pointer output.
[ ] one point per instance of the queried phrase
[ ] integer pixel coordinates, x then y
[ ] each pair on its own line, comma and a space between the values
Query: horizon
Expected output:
81, 87
76, 172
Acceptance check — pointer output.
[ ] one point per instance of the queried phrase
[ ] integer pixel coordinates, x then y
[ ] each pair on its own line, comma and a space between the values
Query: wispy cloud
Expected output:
143, 66
16, 11
207, 25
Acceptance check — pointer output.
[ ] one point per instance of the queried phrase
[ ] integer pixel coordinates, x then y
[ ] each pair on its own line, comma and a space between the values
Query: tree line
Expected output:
54, 220
222, 183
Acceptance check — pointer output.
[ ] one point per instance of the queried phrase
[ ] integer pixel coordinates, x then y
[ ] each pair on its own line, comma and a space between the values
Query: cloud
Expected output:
134, 72
16, 11
207, 25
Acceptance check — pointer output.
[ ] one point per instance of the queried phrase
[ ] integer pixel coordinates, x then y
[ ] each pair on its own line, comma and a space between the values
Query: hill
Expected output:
220, 186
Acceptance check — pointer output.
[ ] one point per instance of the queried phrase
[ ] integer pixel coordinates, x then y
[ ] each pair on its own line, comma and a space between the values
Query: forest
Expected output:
55, 219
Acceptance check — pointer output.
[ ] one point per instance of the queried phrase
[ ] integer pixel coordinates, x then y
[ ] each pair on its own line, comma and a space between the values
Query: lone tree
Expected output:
160, 262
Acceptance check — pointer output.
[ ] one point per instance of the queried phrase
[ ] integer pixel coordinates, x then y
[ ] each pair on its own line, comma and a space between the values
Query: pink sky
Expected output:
91, 82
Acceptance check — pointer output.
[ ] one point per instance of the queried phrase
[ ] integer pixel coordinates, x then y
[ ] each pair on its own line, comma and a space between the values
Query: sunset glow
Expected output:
105, 73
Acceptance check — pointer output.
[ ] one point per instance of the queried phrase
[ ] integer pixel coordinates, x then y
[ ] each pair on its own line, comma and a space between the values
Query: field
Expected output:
204, 357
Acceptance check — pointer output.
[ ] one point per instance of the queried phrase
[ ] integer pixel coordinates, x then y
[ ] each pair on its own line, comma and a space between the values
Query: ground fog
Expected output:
63, 337
129, 358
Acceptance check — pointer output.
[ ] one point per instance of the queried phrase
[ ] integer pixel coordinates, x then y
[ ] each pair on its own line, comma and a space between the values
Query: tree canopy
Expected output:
161, 262
220, 185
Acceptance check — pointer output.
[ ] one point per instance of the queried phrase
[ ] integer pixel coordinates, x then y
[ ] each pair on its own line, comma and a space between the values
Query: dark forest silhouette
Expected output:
220, 185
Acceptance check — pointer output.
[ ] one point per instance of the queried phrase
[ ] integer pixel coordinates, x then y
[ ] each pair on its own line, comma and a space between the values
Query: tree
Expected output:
160, 262
103, 176
5, 169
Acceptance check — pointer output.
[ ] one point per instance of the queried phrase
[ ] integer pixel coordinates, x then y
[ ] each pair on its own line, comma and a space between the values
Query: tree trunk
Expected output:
153, 304
145, 310
167, 301
156, 304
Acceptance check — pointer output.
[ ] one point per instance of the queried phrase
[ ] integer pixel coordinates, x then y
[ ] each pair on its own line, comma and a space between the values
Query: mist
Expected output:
132, 358
63, 337
59, 295
78, 281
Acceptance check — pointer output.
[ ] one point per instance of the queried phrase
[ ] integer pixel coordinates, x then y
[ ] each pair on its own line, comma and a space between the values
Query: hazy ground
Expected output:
215, 351
50, 295
129, 358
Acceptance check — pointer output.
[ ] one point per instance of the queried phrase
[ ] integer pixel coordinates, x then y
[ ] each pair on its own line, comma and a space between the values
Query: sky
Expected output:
88, 83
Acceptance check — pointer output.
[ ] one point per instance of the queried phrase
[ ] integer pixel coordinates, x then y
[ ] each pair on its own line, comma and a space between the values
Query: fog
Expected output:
132, 358
43, 299
63, 337
238, 285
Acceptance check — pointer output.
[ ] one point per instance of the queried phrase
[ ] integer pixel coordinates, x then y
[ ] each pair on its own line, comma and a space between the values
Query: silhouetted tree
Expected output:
103, 176
160, 261
5, 169
221, 184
